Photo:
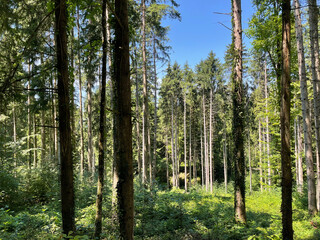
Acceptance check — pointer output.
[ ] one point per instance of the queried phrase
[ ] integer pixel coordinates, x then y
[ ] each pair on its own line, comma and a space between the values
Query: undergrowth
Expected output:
163, 214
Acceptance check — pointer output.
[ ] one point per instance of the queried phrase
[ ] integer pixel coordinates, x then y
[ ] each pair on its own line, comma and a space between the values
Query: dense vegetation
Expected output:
95, 144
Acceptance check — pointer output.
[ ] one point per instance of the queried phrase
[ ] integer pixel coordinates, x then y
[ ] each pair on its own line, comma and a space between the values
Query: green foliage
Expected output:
9, 190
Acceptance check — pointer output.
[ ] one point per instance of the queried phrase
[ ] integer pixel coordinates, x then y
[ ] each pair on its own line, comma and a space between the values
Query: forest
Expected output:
97, 142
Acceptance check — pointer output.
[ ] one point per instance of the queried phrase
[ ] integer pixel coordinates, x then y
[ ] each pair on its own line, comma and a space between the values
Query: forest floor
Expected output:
163, 214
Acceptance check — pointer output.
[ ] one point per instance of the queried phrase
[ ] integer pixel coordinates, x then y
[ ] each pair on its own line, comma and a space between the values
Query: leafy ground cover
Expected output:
162, 214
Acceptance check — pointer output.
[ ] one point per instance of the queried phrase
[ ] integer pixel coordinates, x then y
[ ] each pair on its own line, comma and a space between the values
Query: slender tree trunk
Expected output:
190, 148
138, 129
225, 163
176, 152
29, 125
167, 161
100, 185
145, 108
43, 139
238, 115
210, 143
300, 149
305, 114
14, 120
315, 67
267, 122
286, 205
250, 164
202, 153
89, 110
260, 158
122, 122
172, 149
35, 143
80, 102
185, 142
205, 142
56, 137
66, 168
154, 162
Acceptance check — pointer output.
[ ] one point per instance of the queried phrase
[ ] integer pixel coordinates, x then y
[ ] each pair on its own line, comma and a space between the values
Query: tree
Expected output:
98, 221
286, 205
315, 70
238, 116
67, 191
305, 112
122, 122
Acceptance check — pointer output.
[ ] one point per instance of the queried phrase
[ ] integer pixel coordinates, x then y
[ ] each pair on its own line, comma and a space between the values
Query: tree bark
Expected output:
80, 102
122, 122
89, 110
210, 144
307, 129
286, 204
66, 167
145, 106
206, 168
267, 123
225, 162
100, 185
260, 158
43, 139
154, 161
315, 69
172, 149
238, 115
185, 142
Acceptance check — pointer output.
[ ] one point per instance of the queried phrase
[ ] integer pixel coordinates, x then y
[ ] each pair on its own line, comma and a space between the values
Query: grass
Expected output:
162, 214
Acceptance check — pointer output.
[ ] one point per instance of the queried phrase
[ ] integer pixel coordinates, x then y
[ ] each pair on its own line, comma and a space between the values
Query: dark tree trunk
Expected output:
122, 122
98, 220
67, 191
286, 205
238, 115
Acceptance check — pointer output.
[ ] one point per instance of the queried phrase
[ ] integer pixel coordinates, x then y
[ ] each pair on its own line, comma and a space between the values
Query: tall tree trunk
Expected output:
260, 158
138, 129
122, 122
286, 205
299, 164
14, 120
185, 142
190, 148
206, 168
307, 129
210, 144
66, 167
238, 115
176, 151
80, 102
250, 164
154, 161
89, 109
98, 219
172, 149
55, 124
167, 161
225, 163
29, 124
43, 139
315, 67
267, 122
202, 153
145, 108
35, 143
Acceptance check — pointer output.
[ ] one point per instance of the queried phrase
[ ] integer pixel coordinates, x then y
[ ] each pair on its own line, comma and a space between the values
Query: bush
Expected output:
8, 190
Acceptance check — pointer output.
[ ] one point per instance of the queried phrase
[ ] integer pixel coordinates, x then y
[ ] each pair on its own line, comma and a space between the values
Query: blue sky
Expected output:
200, 31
